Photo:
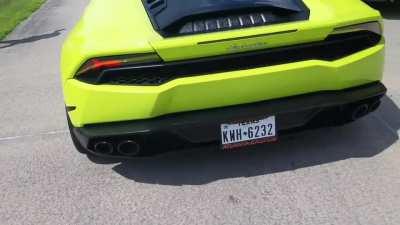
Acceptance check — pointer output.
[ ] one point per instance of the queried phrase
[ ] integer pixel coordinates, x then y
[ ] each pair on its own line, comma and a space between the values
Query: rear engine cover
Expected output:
177, 17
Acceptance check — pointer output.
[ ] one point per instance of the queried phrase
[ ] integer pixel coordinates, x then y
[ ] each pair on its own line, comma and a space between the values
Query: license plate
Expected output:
242, 134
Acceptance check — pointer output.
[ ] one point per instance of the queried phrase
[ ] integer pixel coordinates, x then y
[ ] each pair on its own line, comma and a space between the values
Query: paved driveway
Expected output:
347, 175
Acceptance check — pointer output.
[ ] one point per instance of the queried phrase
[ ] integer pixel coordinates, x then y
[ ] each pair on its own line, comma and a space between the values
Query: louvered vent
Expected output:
182, 17
228, 23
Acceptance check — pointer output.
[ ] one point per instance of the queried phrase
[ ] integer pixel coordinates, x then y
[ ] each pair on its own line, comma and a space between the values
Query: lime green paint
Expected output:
12, 12
103, 32
103, 103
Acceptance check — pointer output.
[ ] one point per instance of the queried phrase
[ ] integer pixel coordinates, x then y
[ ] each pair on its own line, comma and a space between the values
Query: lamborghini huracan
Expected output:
144, 77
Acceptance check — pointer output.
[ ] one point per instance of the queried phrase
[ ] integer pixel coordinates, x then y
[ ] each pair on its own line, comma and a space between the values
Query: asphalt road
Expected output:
345, 175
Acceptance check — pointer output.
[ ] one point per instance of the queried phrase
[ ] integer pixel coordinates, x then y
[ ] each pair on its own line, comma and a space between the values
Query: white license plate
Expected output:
242, 134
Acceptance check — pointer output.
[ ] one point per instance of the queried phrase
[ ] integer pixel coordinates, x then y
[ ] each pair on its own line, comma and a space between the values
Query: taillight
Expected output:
93, 68
94, 65
374, 27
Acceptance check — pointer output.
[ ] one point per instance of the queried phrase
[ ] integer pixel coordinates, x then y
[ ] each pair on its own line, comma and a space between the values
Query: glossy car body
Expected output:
118, 28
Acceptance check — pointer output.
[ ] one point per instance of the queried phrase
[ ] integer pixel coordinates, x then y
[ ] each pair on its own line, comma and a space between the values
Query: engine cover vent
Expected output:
183, 17
230, 22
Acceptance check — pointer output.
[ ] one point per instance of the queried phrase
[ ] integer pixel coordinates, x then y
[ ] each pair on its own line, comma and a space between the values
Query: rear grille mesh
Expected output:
333, 48
141, 80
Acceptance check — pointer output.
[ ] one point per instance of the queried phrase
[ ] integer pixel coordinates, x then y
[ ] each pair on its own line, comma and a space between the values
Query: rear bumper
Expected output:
96, 104
180, 130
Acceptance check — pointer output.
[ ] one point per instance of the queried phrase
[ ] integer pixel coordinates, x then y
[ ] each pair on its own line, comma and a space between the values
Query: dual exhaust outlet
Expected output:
124, 148
131, 148
361, 110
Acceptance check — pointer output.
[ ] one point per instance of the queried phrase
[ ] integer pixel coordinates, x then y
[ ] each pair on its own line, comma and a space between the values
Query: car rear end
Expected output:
137, 83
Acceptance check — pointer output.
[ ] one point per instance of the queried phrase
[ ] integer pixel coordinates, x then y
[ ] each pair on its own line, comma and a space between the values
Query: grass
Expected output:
12, 12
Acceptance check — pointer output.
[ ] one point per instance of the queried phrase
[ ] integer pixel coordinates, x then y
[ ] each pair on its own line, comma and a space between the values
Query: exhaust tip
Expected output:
103, 147
374, 105
360, 111
129, 148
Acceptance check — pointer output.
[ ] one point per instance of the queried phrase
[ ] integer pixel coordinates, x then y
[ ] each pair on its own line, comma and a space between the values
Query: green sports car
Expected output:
143, 77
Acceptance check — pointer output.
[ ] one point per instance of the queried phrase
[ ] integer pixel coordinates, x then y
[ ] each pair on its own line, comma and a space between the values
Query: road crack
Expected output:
11, 138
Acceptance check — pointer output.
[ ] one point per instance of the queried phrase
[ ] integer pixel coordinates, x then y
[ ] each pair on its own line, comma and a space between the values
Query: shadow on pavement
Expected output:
9, 43
365, 138
388, 10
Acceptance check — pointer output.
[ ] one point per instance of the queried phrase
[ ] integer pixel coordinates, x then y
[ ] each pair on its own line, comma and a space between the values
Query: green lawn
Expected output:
12, 12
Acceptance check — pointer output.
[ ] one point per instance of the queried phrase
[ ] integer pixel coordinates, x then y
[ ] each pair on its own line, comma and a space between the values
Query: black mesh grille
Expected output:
333, 48
140, 80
